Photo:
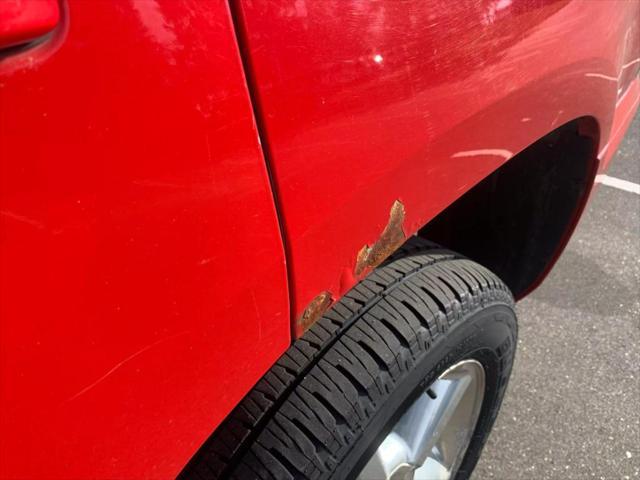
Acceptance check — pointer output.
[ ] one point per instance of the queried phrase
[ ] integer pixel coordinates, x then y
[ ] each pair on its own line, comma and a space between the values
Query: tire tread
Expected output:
301, 417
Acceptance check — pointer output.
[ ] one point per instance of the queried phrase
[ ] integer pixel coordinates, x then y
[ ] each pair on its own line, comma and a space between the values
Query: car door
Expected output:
142, 276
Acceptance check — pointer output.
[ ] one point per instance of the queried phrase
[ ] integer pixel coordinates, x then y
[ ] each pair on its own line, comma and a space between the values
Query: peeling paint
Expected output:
390, 239
314, 310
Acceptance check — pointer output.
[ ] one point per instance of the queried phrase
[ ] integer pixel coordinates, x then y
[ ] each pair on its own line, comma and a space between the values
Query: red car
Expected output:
282, 238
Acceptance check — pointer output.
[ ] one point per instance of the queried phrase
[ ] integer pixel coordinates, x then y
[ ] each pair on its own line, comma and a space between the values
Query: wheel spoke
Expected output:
430, 438
432, 470
450, 393
432, 415
390, 458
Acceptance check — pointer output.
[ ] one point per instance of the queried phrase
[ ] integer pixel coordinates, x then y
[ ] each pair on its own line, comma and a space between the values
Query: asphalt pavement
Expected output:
572, 409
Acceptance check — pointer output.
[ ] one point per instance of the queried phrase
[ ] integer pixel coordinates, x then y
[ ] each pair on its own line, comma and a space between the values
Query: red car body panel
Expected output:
143, 288
26, 21
366, 103
142, 276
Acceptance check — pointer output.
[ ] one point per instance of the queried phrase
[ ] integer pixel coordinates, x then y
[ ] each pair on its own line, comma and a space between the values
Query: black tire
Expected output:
321, 411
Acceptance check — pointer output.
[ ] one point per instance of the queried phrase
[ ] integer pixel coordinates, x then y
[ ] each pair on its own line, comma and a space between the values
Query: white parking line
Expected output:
618, 183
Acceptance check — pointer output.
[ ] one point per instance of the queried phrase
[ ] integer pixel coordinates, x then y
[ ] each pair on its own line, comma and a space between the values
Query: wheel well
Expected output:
517, 220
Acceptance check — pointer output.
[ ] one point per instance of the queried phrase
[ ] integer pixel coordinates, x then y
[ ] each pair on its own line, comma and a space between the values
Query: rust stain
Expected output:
390, 239
314, 310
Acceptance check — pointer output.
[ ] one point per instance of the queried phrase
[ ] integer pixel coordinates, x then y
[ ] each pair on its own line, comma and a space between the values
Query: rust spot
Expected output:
314, 311
390, 239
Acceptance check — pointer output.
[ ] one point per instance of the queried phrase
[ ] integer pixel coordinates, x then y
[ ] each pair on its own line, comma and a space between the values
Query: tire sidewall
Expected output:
488, 336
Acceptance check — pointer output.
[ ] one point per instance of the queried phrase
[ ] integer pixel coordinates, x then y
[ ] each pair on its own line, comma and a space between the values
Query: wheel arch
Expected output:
517, 220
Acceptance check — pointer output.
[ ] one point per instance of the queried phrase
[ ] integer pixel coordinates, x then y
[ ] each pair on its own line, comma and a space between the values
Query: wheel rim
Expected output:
430, 439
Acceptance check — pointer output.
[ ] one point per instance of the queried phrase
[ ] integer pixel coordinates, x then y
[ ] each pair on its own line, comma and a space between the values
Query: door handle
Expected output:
23, 21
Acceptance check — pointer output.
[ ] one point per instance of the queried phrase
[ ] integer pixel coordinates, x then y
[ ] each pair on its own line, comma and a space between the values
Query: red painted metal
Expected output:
142, 277
25, 20
370, 102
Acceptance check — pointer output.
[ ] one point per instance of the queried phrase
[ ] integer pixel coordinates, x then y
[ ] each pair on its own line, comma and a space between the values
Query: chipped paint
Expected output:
390, 239
314, 310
